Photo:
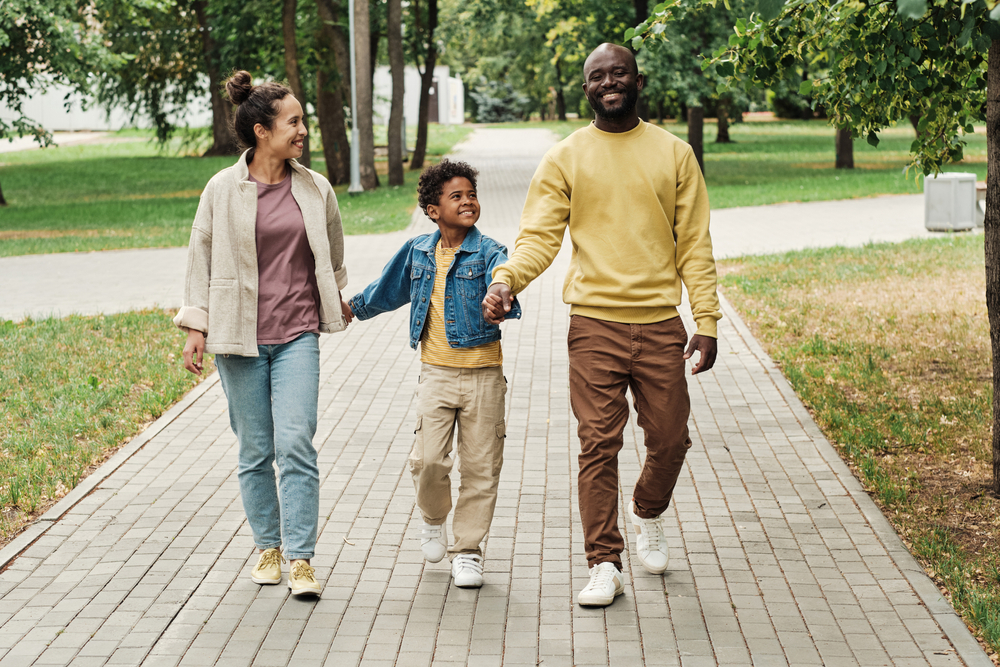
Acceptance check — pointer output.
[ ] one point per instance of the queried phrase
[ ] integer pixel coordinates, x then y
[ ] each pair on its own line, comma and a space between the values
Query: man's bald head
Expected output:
615, 51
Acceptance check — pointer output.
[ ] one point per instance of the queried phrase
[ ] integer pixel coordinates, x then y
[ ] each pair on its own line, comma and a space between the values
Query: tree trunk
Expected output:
696, 130
641, 14
3, 202
223, 142
396, 64
722, 116
560, 97
330, 73
845, 150
363, 85
292, 69
420, 149
659, 111
992, 239
915, 121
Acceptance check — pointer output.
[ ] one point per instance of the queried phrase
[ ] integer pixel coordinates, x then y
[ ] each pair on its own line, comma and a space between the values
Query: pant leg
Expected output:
599, 359
430, 458
661, 397
481, 433
294, 399
246, 382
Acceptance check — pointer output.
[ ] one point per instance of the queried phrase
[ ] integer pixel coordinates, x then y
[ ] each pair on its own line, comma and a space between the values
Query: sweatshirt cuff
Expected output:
708, 326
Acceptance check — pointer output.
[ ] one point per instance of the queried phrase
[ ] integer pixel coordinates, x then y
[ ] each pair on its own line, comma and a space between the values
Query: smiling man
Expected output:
635, 203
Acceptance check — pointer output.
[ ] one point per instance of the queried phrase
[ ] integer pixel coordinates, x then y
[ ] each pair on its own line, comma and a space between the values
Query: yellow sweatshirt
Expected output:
637, 210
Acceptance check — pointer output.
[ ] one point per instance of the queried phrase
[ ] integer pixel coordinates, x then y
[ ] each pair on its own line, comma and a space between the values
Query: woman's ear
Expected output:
260, 131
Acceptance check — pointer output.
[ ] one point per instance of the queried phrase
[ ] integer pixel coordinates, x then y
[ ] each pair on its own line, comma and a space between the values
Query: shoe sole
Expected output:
479, 585
306, 591
603, 602
434, 560
264, 582
637, 527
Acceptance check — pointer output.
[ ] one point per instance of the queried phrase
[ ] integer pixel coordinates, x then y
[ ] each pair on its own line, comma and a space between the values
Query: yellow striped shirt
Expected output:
434, 348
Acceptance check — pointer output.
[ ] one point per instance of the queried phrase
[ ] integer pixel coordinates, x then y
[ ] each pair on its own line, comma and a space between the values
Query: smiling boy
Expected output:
444, 276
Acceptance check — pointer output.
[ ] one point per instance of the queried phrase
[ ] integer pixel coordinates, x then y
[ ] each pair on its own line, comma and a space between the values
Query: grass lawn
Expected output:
72, 391
128, 194
888, 346
771, 162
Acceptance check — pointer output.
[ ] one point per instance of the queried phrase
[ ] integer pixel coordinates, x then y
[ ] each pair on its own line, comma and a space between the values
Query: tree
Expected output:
43, 42
886, 63
223, 141
332, 89
428, 46
396, 147
288, 23
363, 85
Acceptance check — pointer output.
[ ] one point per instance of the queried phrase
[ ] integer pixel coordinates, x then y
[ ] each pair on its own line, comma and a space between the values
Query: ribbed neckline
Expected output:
618, 136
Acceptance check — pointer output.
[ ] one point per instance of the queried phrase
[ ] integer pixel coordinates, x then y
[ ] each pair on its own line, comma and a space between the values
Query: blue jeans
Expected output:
272, 409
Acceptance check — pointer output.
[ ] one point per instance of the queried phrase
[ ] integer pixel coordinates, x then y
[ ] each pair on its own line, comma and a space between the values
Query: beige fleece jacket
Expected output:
220, 290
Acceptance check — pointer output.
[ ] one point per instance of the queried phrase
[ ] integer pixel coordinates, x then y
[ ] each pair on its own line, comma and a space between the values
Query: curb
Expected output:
966, 645
92, 481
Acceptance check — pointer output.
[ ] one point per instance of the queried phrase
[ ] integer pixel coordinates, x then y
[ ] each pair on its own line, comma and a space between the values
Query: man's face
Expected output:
611, 84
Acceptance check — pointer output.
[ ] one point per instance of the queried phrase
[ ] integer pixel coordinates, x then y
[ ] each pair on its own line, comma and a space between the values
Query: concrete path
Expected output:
778, 557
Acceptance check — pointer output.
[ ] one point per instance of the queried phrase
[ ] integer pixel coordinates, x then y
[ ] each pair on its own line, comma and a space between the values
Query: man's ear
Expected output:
640, 81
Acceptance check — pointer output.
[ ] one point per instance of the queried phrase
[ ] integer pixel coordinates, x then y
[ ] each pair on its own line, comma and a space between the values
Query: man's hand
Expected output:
708, 347
194, 350
345, 307
496, 305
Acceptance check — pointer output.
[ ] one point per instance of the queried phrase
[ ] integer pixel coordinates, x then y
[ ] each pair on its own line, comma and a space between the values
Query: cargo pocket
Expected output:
501, 436
416, 459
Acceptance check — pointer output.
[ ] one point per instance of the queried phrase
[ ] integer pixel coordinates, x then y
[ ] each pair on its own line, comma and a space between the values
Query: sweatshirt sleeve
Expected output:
695, 262
194, 313
543, 225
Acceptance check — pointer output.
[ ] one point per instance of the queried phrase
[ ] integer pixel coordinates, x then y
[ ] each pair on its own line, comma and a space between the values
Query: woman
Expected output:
264, 274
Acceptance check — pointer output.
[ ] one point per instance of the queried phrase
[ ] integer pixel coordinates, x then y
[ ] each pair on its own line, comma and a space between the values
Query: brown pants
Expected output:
604, 359
471, 400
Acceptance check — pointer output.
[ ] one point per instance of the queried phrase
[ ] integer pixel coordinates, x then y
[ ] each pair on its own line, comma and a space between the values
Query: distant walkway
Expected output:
778, 557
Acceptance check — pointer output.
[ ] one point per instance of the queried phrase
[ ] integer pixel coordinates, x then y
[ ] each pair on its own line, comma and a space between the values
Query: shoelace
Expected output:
469, 562
304, 571
271, 557
653, 530
602, 577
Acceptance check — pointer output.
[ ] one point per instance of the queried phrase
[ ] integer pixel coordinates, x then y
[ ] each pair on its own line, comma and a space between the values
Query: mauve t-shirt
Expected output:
287, 296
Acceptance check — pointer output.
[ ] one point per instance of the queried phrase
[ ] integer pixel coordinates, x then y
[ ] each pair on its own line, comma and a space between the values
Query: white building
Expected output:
50, 109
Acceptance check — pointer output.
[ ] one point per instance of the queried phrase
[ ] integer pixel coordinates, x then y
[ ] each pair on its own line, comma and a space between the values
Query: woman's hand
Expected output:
194, 350
346, 308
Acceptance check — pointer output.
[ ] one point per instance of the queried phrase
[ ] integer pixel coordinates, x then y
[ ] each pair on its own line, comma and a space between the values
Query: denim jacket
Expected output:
409, 278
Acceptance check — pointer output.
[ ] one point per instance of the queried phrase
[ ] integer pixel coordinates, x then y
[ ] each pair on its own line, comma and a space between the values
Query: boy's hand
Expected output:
708, 347
345, 306
497, 303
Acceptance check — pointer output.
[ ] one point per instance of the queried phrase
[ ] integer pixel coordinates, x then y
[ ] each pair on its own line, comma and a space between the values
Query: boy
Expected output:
444, 276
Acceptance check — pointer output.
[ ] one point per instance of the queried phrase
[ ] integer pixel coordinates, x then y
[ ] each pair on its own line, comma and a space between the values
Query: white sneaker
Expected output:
605, 583
650, 543
433, 542
467, 570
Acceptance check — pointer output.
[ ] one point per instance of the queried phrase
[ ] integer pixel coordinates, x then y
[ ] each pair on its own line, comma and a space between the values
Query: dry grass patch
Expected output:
888, 346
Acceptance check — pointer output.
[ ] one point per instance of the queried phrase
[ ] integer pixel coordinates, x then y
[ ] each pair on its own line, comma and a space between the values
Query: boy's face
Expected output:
458, 207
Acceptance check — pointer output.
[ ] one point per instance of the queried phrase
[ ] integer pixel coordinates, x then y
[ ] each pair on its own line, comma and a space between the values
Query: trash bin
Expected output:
950, 202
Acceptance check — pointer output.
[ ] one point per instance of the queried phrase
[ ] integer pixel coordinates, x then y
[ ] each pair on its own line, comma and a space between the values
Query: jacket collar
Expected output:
472, 243
242, 166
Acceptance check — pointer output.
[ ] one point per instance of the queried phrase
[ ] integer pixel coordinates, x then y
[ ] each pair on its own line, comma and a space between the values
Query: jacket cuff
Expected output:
189, 317
357, 307
341, 276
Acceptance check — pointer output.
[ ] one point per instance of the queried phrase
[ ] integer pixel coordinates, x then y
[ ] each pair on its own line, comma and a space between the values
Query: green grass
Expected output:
71, 391
131, 194
789, 161
888, 346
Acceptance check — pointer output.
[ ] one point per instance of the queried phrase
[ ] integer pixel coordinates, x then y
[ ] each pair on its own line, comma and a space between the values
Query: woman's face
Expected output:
285, 137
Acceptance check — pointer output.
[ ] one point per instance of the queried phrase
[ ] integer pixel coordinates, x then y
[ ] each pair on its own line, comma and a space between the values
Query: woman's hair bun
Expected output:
238, 86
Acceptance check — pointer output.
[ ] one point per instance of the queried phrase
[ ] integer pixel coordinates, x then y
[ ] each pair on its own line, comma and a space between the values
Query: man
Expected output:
635, 202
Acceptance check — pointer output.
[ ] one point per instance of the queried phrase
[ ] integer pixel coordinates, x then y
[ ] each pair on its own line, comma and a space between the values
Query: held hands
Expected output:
194, 350
708, 347
345, 306
497, 303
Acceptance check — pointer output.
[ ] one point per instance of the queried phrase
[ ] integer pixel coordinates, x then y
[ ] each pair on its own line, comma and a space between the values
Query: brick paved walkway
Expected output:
777, 555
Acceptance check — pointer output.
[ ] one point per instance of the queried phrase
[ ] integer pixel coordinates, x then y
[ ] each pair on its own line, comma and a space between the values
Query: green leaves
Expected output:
805, 87
873, 139
770, 9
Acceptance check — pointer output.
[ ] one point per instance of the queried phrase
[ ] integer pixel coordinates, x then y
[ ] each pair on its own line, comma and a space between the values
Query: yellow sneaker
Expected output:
268, 568
302, 579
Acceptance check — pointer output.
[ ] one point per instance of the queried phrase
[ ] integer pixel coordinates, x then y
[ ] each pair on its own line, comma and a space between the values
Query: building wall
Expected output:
450, 96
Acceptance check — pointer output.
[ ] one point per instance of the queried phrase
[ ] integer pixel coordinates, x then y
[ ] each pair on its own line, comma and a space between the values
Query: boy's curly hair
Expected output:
433, 179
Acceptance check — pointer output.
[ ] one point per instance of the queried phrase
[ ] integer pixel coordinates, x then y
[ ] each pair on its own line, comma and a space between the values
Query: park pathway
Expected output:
778, 557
